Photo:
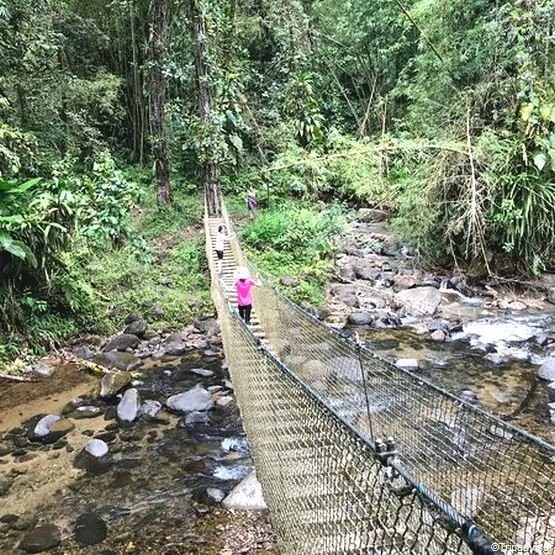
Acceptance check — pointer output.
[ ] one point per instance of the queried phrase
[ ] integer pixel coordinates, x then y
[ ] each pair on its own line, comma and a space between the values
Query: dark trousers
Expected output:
245, 313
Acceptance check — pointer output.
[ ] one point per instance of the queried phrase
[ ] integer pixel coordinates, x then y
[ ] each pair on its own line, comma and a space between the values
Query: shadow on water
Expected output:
161, 476
509, 390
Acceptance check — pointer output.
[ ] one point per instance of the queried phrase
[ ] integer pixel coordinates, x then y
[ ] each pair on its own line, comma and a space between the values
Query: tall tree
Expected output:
208, 131
157, 98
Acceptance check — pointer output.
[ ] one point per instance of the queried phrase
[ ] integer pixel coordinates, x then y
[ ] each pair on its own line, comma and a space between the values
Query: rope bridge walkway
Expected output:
356, 456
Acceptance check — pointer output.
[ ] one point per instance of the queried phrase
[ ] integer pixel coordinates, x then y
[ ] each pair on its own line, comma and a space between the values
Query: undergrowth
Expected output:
159, 271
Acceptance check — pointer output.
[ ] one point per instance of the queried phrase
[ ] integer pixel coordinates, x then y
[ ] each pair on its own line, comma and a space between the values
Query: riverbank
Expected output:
135, 461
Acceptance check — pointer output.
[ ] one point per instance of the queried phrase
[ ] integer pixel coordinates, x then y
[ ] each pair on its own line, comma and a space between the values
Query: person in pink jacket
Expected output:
243, 285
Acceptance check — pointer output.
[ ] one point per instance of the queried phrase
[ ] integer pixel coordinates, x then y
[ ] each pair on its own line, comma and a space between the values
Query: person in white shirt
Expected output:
221, 238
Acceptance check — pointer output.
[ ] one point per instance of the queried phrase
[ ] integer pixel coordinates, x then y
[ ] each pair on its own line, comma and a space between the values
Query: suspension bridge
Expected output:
356, 456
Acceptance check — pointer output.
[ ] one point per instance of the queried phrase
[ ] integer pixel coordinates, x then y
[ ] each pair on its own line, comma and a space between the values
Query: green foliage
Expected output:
171, 284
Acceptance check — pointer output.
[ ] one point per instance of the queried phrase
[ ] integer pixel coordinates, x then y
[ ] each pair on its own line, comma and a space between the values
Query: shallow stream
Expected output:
162, 475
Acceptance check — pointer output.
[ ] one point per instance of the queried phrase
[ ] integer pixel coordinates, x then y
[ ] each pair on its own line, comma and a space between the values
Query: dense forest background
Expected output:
114, 112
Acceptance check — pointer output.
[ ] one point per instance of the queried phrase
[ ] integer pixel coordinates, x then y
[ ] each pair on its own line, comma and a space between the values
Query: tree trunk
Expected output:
211, 171
157, 98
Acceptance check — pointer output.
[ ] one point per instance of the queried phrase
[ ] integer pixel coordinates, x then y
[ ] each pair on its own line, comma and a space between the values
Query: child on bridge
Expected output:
243, 285
221, 237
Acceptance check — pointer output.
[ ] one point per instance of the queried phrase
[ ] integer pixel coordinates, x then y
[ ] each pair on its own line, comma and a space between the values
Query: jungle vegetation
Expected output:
114, 114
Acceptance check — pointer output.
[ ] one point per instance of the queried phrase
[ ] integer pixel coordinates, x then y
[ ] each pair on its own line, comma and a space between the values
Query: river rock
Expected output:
247, 495
41, 430
175, 344
112, 382
149, 409
371, 215
204, 372
208, 496
347, 273
551, 295
90, 529
138, 328
128, 408
5, 485
196, 418
209, 326
94, 458
350, 300
132, 317
288, 281
83, 351
401, 282
407, 364
42, 369
59, 429
196, 399
438, 336
366, 272
122, 343
466, 501
421, 301
547, 370
41, 538
360, 319
86, 411
224, 401
119, 360
97, 448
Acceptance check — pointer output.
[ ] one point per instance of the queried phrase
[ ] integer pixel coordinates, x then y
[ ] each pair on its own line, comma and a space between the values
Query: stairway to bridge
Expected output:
318, 409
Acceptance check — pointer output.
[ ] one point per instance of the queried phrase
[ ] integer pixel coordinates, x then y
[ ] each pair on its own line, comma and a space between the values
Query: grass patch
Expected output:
169, 284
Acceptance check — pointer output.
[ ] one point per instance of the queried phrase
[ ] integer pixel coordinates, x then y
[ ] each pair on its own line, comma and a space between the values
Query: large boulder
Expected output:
175, 344
122, 342
360, 319
547, 370
421, 301
119, 360
128, 408
112, 382
138, 328
197, 399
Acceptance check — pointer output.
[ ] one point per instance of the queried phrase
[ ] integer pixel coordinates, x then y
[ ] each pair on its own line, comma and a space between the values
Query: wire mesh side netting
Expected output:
326, 491
489, 471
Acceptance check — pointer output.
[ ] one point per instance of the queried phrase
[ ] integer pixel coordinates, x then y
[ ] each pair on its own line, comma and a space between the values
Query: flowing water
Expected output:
492, 360
152, 494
